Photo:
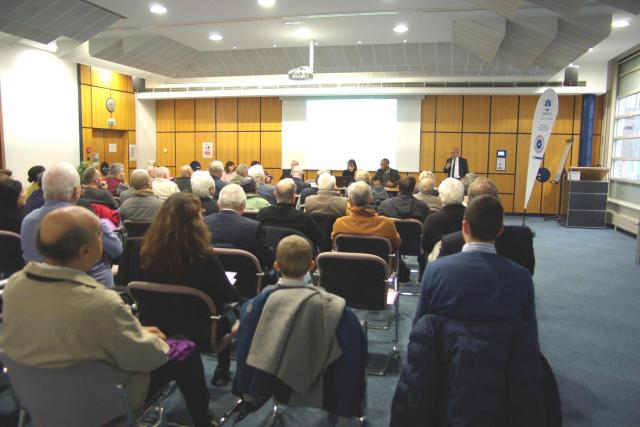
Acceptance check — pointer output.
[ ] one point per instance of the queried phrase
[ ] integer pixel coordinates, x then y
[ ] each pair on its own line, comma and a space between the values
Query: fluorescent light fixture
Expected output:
266, 3
401, 28
215, 37
620, 23
275, 45
158, 9
404, 41
303, 32
359, 41
316, 43
591, 49
293, 23
235, 47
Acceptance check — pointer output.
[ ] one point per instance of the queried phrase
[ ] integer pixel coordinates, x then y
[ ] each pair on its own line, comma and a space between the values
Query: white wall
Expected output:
39, 109
145, 131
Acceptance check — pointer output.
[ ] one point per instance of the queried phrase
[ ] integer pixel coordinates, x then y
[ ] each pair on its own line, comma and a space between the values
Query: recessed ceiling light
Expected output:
401, 28
316, 43
215, 37
303, 32
620, 23
359, 41
235, 47
158, 9
266, 3
404, 41
591, 49
275, 45
293, 23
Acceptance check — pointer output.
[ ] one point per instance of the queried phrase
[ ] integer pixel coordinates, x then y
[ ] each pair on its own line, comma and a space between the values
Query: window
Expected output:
625, 159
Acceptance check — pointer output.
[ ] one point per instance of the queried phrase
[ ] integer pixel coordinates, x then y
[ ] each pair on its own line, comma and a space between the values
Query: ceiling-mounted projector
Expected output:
301, 73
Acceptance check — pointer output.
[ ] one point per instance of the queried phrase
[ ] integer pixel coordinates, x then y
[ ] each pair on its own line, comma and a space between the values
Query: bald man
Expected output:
56, 316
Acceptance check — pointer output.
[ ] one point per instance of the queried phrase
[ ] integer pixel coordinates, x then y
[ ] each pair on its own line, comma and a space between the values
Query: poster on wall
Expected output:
207, 150
543, 120
113, 148
132, 152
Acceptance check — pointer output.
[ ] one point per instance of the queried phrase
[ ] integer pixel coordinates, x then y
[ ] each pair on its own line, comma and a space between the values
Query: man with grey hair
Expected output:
378, 193
426, 194
284, 213
162, 186
216, 169
297, 175
229, 229
311, 190
115, 179
142, 205
204, 187
267, 191
184, 180
363, 220
241, 172
446, 220
327, 200
94, 191
61, 188
286, 173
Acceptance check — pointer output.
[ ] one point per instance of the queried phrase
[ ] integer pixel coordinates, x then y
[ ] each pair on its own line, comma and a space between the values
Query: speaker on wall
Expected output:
139, 84
571, 75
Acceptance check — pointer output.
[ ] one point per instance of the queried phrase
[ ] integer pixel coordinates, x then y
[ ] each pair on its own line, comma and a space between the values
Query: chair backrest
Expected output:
177, 310
251, 214
274, 234
361, 279
325, 224
129, 265
84, 395
410, 231
365, 244
246, 265
136, 228
10, 253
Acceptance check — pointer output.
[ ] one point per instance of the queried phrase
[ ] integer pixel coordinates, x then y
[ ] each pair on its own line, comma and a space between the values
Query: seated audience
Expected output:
232, 230
364, 220
177, 250
32, 177
378, 191
327, 200
286, 173
446, 220
426, 174
428, 194
404, 205
151, 168
6, 172
255, 202
204, 188
143, 205
514, 242
311, 190
241, 172
351, 169
297, 175
11, 204
115, 179
229, 171
284, 213
36, 199
56, 316
478, 284
216, 169
267, 191
61, 187
162, 185
184, 180
95, 191
376, 196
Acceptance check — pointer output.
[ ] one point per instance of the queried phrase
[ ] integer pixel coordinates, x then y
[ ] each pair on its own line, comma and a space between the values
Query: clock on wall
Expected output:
110, 104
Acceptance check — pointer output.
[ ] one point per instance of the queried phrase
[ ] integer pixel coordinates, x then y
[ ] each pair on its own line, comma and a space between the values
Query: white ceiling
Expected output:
445, 37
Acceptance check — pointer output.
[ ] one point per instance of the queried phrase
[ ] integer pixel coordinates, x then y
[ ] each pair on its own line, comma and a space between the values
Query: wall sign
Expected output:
207, 150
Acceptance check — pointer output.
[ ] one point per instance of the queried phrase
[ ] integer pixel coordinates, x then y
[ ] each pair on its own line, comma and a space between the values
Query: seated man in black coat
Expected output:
514, 243
297, 175
230, 229
284, 213
404, 205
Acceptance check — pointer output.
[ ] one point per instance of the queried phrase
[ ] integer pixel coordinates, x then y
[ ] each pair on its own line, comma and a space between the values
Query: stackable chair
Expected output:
136, 228
10, 253
365, 244
274, 234
365, 282
129, 266
325, 224
251, 214
246, 265
410, 231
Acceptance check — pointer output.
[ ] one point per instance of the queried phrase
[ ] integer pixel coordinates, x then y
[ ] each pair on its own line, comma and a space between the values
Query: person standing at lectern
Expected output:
387, 176
456, 166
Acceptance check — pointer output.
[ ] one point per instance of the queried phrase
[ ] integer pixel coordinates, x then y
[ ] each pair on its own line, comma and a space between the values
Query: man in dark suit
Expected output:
297, 175
286, 173
284, 213
456, 166
514, 243
387, 176
404, 205
230, 229
479, 284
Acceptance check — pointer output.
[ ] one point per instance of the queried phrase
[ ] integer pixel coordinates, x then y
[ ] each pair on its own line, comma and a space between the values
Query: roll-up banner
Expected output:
543, 120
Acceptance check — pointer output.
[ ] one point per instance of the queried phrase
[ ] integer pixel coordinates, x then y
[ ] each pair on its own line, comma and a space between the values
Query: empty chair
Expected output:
246, 265
10, 253
136, 228
360, 243
325, 224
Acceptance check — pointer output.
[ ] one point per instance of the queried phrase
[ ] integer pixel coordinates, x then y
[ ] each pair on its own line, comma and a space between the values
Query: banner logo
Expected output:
539, 144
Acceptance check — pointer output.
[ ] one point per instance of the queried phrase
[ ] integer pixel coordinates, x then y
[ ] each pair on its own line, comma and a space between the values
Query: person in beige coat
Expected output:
327, 200
56, 316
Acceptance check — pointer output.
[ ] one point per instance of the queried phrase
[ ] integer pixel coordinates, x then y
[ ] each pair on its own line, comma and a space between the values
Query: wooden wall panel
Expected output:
270, 114
504, 182
201, 137
124, 113
271, 149
248, 147
598, 115
100, 78
87, 142
444, 143
165, 116
166, 149
475, 148
504, 116
121, 82
227, 143
428, 113
503, 142
596, 145
185, 148
114, 147
205, 114
131, 140
85, 74
525, 113
97, 138
507, 202
475, 117
577, 114
227, 114
249, 114
86, 108
99, 113
427, 146
185, 115
449, 113
551, 192
564, 121
521, 179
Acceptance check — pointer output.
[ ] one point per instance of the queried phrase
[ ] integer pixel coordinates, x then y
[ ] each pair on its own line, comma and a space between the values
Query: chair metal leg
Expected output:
385, 365
230, 411
22, 419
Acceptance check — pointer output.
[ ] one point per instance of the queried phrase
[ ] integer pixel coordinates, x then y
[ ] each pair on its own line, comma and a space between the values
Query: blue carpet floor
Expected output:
587, 298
